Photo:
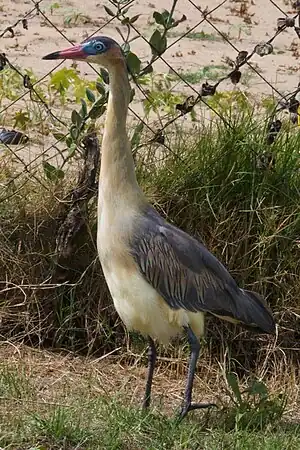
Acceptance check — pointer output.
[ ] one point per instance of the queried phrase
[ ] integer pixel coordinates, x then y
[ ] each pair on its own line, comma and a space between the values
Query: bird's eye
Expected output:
99, 47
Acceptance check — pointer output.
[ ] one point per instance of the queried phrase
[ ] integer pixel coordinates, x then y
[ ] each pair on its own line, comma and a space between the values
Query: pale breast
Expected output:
139, 305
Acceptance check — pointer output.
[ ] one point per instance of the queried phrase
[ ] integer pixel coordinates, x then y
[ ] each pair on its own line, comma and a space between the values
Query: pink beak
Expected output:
76, 52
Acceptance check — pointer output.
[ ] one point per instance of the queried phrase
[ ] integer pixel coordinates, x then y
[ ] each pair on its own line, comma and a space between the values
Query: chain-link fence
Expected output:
190, 53
189, 65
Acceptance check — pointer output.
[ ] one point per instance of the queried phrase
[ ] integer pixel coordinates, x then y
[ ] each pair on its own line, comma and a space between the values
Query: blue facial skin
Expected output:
98, 45
91, 47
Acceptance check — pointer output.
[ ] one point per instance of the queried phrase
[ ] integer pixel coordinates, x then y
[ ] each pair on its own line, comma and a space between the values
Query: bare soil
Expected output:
245, 23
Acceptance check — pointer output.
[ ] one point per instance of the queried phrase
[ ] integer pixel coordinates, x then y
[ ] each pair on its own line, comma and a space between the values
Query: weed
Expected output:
253, 408
14, 383
74, 19
201, 35
242, 11
198, 36
206, 73
61, 427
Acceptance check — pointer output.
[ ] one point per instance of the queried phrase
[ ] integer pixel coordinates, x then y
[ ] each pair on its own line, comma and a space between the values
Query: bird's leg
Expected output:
187, 401
151, 365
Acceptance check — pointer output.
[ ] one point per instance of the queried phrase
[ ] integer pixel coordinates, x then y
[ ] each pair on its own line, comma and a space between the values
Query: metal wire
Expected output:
196, 96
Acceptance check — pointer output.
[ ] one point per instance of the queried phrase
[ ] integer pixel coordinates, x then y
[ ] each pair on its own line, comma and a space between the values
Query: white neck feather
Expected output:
117, 175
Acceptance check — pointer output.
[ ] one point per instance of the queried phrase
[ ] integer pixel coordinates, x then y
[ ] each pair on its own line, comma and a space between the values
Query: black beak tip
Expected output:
54, 55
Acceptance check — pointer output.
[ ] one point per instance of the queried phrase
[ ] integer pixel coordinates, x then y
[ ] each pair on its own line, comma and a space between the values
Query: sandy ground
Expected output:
73, 21
280, 68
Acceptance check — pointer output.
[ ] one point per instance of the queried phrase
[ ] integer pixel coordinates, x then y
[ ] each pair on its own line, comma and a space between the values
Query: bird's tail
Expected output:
256, 313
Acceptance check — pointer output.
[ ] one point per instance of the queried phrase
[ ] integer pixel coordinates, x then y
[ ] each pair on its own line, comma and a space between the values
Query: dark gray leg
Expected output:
187, 401
151, 365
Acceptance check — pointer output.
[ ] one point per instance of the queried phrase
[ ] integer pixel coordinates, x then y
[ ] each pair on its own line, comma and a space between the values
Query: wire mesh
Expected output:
190, 66
199, 52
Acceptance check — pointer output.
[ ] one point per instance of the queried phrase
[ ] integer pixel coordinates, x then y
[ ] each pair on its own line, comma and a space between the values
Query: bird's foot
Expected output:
191, 406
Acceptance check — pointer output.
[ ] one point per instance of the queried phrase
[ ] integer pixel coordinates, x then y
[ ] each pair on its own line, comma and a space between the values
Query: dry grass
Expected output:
43, 299
60, 400
247, 216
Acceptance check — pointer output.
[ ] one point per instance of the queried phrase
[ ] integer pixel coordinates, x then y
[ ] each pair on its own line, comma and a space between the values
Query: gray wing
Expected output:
188, 276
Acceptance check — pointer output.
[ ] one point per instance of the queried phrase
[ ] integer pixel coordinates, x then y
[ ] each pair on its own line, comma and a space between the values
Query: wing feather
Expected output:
188, 276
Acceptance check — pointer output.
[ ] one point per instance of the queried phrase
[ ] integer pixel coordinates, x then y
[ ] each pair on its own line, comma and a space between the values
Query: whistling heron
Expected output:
162, 280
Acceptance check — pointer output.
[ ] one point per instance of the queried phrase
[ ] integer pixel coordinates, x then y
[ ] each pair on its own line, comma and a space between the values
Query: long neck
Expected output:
117, 174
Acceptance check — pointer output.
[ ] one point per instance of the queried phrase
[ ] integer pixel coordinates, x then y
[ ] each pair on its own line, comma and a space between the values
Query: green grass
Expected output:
70, 413
213, 186
198, 36
206, 73
201, 35
14, 383
210, 185
109, 424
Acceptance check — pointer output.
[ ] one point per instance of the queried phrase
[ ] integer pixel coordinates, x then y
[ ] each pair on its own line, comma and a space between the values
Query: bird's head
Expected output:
100, 50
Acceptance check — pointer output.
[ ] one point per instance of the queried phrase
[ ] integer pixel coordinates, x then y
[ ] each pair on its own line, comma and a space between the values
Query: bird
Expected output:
162, 280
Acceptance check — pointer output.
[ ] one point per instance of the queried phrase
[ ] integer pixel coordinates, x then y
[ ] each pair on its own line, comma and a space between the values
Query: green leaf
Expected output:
100, 88
76, 118
21, 119
83, 111
72, 149
125, 48
104, 75
109, 11
159, 18
165, 13
90, 95
74, 132
133, 63
62, 79
258, 388
125, 10
125, 21
158, 43
148, 69
68, 20
233, 383
58, 136
52, 173
134, 18
97, 111
69, 141
136, 138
